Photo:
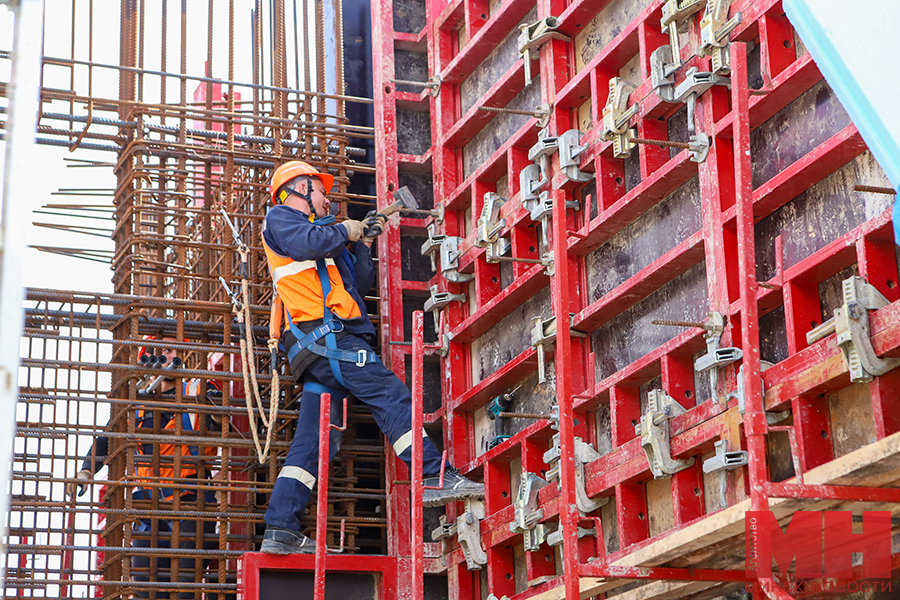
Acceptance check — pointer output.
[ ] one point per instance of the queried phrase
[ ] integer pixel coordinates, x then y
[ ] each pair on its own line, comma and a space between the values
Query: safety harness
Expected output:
327, 330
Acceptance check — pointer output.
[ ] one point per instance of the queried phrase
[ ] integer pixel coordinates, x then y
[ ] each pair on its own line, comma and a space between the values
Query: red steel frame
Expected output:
725, 242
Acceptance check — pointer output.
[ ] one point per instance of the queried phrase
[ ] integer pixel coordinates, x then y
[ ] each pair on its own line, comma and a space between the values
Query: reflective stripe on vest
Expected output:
191, 388
298, 285
297, 266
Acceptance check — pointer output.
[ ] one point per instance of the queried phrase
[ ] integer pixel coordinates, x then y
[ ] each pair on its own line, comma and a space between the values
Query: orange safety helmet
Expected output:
293, 169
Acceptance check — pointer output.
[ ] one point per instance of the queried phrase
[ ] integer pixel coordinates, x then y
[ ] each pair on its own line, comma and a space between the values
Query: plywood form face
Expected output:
643, 241
488, 72
483, 145
656, 237
632, 335
604, 27
820, 215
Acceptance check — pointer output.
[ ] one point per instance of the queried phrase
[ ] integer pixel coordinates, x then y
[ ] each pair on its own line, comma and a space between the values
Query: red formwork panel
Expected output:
762, 231
255, 566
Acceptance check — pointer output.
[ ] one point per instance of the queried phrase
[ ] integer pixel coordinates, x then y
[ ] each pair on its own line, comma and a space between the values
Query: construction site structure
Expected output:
651, 286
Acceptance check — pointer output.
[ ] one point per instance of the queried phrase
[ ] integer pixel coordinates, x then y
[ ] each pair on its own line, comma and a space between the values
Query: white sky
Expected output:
45, 270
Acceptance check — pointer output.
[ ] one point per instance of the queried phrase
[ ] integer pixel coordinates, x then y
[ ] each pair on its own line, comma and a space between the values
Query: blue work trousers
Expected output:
374, 385
159, 569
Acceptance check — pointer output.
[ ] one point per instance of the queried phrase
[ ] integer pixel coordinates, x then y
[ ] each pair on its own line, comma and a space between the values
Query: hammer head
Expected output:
406, 198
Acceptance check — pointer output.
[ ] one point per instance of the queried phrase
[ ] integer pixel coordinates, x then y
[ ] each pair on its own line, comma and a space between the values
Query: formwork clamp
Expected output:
772, 418
695, 84
675, 14
854, 337
533, 177
438, 300
489, 223
543, 338
570, 149
715, 357
616, 115
584, 454
532, 37
556, 538
544, 147
450, 260
653, 431
528, 514
444, 530
715, 27
432, 245
468, 533
725, 460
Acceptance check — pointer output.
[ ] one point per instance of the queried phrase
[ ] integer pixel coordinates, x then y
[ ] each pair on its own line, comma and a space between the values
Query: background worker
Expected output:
145, 419
328, 340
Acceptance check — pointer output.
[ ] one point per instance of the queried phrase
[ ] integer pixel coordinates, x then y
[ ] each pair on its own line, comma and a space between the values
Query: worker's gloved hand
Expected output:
355, 229
374, 223
79, 488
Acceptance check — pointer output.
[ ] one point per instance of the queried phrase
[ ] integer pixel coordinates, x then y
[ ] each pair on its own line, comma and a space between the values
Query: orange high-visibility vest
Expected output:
189, 423
297, 282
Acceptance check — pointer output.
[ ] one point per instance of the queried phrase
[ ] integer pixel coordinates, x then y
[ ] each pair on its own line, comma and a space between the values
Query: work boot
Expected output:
456, 487
286, 541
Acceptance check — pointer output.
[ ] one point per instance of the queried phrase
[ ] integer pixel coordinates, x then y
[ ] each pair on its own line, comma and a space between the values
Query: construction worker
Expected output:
328, 341
145, 419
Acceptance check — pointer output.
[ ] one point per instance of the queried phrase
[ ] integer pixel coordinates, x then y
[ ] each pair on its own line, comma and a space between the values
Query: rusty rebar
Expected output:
671, 323
530, 261
512, 415
874, 189
663, 143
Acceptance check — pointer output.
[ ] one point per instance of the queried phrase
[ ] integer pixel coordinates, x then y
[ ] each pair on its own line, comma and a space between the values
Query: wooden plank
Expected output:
874, 465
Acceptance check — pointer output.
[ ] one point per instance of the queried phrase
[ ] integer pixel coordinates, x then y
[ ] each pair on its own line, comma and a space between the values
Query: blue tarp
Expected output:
857, 47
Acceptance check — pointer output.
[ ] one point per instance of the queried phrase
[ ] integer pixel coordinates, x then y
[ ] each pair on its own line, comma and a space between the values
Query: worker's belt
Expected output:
303, 351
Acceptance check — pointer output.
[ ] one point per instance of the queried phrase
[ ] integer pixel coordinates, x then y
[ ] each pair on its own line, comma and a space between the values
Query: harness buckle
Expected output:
336, 326
362, 357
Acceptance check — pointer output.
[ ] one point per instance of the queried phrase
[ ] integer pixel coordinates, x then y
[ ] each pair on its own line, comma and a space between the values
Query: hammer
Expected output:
404, 201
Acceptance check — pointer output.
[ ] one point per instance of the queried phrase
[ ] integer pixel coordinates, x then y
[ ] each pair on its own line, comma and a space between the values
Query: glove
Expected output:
83, 476
355, 229
374, 223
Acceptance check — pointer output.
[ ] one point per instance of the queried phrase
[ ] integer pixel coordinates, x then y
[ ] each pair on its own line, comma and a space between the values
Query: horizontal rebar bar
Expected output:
147, 370
512, 415
530, 261
663, 143
5, 54
161, 405
874, 189
145, 438
678, 323
164, 585
511, 111
422, 84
